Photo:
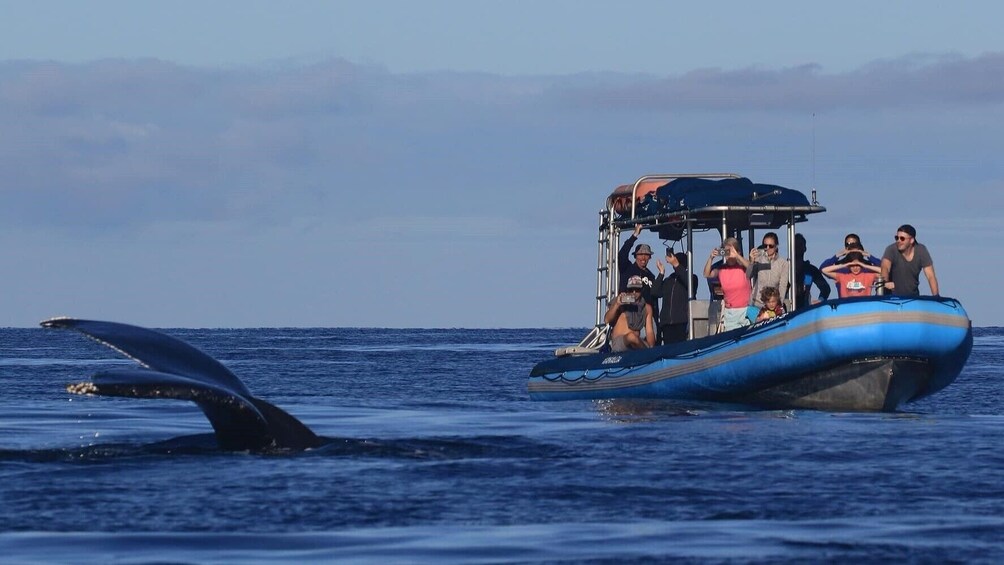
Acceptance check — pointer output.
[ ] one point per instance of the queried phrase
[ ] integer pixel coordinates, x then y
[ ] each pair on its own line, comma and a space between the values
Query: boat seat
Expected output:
575, 350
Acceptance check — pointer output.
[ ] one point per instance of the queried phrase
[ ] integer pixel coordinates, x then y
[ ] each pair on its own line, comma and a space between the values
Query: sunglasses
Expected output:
901, 237
770, 245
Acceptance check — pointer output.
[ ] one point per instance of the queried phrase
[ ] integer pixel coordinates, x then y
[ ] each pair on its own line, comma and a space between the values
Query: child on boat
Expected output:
860, 279
772, 307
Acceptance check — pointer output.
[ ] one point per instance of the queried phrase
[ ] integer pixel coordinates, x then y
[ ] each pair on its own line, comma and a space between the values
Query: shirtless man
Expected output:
628, 314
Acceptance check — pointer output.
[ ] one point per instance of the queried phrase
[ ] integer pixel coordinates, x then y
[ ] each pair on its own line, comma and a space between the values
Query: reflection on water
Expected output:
629, 410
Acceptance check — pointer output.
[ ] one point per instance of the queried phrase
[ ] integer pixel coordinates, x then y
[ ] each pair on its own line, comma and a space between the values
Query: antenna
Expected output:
812, 184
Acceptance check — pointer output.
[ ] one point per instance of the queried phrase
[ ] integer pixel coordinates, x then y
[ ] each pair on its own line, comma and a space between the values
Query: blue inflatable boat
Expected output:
854, 354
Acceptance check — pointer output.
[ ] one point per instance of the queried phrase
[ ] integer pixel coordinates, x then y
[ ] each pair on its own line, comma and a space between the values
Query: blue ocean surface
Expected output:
439, 456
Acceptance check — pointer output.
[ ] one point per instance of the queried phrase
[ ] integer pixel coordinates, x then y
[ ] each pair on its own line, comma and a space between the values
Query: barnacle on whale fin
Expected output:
82, 388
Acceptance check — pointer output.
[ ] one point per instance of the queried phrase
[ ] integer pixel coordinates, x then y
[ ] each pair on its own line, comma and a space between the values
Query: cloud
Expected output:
250, 196
121, 144
885, 84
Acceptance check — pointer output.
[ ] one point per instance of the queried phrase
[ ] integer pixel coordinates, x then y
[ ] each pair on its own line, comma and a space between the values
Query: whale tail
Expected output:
171, 368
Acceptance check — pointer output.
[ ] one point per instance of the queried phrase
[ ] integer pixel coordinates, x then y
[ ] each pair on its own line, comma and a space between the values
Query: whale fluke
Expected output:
174, 369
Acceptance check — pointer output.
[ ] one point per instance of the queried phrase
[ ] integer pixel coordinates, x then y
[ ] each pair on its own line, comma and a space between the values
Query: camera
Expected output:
722, 251
628, 299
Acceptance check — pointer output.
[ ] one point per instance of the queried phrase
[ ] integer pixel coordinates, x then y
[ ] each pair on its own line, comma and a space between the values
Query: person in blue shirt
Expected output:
851, 243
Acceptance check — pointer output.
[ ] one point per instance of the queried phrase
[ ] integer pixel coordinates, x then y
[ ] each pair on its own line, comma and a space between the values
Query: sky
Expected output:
441, 163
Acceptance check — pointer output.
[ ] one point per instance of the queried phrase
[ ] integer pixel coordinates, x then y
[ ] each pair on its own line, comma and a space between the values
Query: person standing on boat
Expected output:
806, 274
627, 269
859, 281
851, 243
903, 261
628, 314
672, 290
735, 284
767, 269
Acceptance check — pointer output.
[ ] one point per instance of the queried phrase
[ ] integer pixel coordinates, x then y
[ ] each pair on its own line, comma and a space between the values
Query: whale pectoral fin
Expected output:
238, 422
154, 350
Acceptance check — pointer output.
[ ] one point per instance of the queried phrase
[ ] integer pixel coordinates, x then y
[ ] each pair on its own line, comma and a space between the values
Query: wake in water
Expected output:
421, 449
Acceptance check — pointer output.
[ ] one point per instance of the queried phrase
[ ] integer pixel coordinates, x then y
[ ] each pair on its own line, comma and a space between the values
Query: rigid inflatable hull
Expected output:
852, 354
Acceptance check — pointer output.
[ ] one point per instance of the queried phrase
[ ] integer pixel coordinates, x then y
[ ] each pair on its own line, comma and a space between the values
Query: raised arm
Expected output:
657, 284
710, 273
613, 310
656, 289
831, 260
871, 259
870, 267
831, 270
624, 255
739, 257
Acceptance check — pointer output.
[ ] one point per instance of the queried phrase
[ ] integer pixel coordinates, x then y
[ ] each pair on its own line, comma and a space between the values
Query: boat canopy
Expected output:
701, 193
704, 202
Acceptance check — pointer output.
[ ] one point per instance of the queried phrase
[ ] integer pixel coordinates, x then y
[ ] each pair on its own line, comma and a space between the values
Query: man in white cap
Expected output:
628, 314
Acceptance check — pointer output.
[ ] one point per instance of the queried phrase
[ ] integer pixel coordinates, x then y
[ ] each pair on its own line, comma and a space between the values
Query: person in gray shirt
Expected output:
767, 269
903, 261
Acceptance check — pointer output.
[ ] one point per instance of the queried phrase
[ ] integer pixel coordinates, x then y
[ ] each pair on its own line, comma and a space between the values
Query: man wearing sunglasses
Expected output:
629, 314
903, 261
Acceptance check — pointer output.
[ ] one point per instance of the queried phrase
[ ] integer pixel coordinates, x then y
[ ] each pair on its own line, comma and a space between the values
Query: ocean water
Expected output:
438, 456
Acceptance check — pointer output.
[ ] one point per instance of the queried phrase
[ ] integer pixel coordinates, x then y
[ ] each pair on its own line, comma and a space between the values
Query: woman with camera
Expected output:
735, 285
767, 269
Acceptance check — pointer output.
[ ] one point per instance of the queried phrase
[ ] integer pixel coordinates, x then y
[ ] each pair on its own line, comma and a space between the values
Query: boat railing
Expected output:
592, 343
684, 222
704, 213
